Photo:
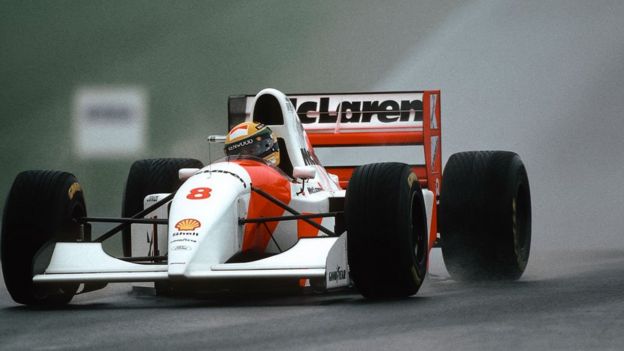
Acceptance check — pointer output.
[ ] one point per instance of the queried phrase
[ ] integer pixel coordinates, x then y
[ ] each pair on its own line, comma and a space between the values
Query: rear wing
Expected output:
373, 120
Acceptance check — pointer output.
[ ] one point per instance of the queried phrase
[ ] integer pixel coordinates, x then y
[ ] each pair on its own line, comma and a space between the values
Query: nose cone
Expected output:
203, 220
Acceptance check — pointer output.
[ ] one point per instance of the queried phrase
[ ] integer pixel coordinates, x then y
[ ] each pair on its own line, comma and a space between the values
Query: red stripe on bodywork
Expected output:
256, 236
366, 138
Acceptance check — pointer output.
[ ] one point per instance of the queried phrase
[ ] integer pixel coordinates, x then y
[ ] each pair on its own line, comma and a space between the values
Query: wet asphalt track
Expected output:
565, 301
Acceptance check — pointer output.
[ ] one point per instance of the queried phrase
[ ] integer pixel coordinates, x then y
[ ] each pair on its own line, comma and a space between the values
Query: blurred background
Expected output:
542, 78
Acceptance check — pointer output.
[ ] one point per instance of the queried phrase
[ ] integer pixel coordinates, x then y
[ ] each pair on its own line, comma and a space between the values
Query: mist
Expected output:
542, 79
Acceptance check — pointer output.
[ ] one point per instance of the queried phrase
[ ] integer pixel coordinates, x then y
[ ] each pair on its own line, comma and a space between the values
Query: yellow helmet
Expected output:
255, 139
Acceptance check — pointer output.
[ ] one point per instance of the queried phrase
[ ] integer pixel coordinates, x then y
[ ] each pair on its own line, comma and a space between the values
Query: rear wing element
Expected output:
350, 120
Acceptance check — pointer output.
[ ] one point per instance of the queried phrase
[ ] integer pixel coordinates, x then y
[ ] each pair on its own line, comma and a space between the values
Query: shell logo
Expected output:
188, 224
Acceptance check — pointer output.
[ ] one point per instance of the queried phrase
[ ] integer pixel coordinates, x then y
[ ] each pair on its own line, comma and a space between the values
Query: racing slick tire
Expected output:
386, 226
485, 216
42, 208
150, 176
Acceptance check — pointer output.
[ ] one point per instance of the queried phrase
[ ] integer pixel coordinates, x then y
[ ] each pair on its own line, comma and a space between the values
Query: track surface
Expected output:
565, 301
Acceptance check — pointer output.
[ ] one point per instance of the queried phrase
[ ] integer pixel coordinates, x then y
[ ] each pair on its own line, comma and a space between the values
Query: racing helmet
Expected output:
255, 139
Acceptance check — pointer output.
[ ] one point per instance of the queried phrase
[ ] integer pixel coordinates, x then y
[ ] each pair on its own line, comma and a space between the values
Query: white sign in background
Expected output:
110, 122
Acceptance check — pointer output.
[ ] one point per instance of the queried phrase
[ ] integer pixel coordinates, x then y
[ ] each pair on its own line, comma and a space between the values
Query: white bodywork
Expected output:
203, 234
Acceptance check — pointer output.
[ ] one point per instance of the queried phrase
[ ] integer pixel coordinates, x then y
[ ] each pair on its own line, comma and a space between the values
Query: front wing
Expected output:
320, 257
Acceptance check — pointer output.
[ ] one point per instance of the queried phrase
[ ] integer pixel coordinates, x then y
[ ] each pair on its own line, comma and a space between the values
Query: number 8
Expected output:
199, 193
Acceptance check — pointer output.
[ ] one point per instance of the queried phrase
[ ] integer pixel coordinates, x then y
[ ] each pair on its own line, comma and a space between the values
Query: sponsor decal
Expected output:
199, 193
73, 189
314, 190
308, 158
181, 248
152, 198
185, 233
338, 274
433, 121
183, 240
240, 144
188, 224
434, 150
362, 111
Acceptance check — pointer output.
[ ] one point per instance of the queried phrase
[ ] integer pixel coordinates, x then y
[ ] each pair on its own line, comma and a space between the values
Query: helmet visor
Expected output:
256, 145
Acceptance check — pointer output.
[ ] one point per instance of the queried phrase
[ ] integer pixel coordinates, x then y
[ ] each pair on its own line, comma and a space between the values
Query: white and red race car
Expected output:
240, 219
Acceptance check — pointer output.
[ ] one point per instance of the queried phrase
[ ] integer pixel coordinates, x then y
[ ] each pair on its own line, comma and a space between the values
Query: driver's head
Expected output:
255, 139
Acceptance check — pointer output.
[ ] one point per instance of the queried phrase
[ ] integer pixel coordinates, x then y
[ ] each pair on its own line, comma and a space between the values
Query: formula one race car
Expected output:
243, 219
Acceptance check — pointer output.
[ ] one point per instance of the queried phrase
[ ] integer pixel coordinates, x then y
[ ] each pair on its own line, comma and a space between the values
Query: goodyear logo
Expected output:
411, 179
73, 189
188, 224
338, 274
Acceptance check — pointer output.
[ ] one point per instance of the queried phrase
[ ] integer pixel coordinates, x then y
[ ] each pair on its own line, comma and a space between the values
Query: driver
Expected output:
255, 139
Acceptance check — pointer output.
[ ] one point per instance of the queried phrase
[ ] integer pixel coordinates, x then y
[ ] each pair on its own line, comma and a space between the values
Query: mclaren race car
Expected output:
243, 219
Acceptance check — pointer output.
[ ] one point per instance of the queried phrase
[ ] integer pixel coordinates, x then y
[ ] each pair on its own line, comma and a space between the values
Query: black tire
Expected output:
41, 209
386, 230
485, 216
150, 176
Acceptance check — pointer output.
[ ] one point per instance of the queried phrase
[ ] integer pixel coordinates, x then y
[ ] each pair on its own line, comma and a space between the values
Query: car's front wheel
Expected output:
386, 225
43, 207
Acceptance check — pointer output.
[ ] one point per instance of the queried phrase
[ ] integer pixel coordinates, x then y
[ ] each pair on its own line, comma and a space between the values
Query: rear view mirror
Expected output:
304, 172
186, 173
215, 139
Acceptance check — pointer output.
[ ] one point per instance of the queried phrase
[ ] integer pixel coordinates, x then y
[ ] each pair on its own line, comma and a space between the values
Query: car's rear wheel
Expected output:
485, 216
386, 230
43, 207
